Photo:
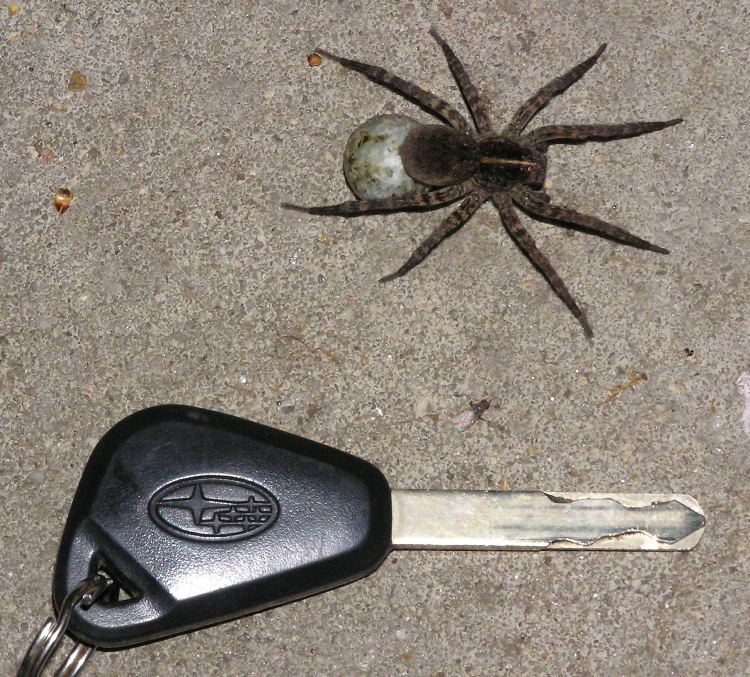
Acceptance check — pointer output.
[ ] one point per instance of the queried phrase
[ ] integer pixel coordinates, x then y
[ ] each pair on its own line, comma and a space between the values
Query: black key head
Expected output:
200, 517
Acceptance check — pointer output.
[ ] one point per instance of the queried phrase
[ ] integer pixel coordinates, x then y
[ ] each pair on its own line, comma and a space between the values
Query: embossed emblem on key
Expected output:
213, 508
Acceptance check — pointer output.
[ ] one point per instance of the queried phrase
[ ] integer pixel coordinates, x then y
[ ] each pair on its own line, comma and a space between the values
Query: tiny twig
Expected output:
634, 377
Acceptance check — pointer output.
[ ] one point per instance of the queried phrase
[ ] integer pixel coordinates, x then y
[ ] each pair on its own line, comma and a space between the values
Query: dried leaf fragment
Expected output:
13, 9
45, 154
446, 9
78, 82
314, 59
63, 198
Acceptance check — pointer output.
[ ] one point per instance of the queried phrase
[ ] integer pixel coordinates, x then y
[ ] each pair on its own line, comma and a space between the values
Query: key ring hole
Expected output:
121, 591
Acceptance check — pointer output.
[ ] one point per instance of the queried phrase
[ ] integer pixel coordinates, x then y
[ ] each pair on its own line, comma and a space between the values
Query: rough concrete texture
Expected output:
176, 277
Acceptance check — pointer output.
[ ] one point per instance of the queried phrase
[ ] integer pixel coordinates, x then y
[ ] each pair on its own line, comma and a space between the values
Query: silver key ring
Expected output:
52, 632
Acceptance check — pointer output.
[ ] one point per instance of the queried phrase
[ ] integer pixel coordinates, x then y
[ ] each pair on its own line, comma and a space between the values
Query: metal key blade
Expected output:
539, 520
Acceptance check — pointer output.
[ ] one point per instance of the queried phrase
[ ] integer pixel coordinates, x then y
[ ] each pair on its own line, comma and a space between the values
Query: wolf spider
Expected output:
507, 168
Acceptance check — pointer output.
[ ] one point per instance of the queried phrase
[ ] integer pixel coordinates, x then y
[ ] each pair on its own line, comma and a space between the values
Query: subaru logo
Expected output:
213, 508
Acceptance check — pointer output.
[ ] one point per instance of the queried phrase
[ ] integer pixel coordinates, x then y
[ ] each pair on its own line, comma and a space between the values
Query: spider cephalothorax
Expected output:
507, 168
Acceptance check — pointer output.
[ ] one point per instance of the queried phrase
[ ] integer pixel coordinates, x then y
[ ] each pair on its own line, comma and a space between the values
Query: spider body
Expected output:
437, 155
506, 168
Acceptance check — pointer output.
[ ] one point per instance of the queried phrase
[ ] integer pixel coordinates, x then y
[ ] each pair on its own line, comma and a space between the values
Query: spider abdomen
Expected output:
439, 156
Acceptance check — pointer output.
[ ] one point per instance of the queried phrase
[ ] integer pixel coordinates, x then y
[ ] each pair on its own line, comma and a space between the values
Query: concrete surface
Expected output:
175, 277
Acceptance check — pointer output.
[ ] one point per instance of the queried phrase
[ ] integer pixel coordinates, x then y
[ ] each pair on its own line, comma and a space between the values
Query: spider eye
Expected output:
372, 162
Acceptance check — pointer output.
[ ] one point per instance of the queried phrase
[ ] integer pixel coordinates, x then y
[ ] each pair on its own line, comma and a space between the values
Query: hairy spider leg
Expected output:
544, 136
554, 87
435, 198
526, 244
408, 90
453, 222
475, 103
531, 203
538, 194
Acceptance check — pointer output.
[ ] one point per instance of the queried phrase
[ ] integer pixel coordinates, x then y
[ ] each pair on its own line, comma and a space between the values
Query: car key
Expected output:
186, 517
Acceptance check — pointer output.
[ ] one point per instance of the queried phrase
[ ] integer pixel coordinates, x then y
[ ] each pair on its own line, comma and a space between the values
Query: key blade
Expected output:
538, 520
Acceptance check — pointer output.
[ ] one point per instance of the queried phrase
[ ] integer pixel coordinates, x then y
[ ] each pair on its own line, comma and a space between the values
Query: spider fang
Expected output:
506, 161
